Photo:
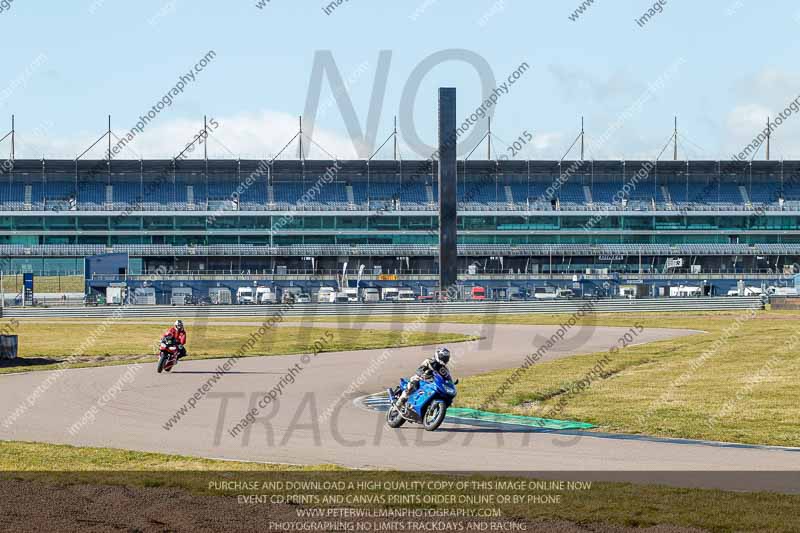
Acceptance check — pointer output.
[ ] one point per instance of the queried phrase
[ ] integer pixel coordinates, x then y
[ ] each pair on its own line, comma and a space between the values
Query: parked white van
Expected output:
406, 295
390, 294
326, 295
244, 295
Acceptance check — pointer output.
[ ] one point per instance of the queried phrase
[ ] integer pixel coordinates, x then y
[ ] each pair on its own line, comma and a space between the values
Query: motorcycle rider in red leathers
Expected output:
178, 333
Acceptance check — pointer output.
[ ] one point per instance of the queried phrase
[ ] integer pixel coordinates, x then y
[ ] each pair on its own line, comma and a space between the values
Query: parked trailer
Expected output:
144, 296
266, 295
685, 291
371, 295
220, 295
115, 295
180, 296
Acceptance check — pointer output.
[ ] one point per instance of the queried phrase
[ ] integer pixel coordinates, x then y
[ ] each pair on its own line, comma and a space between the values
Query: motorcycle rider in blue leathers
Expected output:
437, 363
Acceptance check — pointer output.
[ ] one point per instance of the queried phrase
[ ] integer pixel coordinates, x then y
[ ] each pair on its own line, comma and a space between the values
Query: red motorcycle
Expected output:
168, 350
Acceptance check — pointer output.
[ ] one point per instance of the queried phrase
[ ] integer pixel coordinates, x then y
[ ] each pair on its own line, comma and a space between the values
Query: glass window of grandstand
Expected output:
384, 222
126, 222
319, 239
60, 223
129, 239
255, 240
476, 223
93, 223
184, 223
418, 223
595, 222
351, 222
162, 222
511, 223
668, 223
28, 223
415, 238
634, 223
774, 223
222, 222
244, 223
186, 240
701, 222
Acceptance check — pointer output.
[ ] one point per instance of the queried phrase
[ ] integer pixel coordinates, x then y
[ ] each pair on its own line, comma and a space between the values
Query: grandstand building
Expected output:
517, 220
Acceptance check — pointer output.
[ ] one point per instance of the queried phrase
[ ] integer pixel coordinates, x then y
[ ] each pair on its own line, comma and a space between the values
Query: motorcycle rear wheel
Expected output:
434, 415
393, 418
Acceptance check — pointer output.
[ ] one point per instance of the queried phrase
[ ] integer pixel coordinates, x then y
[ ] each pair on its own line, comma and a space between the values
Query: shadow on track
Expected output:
28, 361
210, 372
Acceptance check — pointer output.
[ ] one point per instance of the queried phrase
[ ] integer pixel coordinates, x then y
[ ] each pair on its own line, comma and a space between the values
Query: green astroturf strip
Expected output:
531, 421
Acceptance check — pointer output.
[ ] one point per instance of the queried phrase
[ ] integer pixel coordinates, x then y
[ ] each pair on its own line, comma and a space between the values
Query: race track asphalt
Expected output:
315, 421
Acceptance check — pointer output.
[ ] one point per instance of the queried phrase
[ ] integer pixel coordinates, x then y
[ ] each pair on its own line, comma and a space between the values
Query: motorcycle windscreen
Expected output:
441, 383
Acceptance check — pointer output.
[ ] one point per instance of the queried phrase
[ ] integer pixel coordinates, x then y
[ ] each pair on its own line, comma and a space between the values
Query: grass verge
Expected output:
44, 345
621, 504
734, 382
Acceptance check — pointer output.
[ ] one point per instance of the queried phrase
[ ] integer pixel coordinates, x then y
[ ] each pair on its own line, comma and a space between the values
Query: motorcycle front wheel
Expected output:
434, 415
161, 361
393, 418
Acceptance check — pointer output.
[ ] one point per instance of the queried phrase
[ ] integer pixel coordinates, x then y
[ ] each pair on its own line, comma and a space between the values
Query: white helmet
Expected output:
179, 325
442, 355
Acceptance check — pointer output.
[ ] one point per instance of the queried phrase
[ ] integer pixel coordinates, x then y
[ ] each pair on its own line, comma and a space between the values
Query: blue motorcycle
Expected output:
427, 405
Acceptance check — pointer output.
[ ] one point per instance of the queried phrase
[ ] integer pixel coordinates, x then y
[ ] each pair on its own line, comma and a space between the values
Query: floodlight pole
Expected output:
301, 138
489, 143
108, 133
675, 141
769, 131
109, 148
582, 135
11, 134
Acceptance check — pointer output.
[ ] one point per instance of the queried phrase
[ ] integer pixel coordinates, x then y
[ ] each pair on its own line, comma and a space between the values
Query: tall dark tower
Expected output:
448, 249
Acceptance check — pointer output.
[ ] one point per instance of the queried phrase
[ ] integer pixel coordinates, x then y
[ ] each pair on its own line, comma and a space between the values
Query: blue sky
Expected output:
67, 65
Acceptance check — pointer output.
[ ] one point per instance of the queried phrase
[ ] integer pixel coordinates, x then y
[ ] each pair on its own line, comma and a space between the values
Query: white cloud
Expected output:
762, 95
245, 135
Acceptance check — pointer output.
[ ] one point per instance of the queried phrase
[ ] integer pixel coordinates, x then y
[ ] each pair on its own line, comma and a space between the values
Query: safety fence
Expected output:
647, 305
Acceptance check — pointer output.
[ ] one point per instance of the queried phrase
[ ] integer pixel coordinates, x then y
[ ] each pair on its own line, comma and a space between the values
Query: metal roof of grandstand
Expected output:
81, 250
412, 165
